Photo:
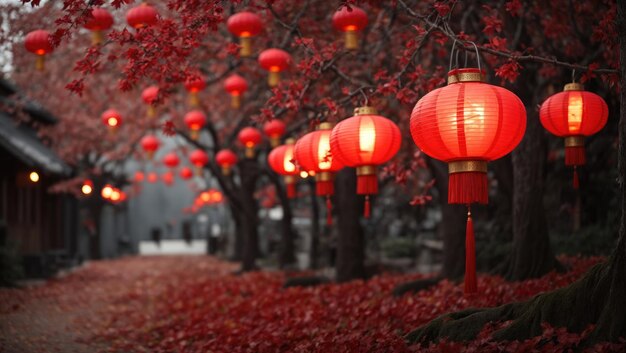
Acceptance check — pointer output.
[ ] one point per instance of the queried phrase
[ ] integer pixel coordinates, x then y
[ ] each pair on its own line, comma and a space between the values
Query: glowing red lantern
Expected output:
365, 141
193, 85
150, 144
274, 129
106, 191
195, 121
235, 85
171, 160
38, 42
199, 159
216, 196
185, 173
574, 114
87, 187
244, 25
112, 119
152, 177
249, 137
467, 124
168, 178
139, 176
149, 96
274, 60
142, 16
282, 161
226, 159
100, 20
350, 20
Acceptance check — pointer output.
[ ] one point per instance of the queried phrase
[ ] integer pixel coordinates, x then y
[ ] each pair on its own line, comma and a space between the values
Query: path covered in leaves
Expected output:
196, 304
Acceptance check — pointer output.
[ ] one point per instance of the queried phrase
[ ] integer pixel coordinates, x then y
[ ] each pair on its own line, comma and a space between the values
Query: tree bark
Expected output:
249, 173
286, 256
350, 263
239, 235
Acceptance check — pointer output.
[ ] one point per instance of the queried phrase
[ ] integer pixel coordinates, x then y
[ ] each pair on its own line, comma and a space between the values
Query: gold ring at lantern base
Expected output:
467, 166
466, 77
574, 141
365, 111
366, 170
574, 86
324, 176
290, 141
290, 179
325, 126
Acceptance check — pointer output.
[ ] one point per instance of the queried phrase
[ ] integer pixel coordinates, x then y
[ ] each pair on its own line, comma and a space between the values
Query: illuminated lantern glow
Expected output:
193, 85
350, 21
281, 160
100, 20
106, 191
314, 156
574, 114
236, 86
364, 141
168, 178
38, 42
195, 121
226, 159
87, 187
185, 173
112, 119
274, 61
150, 144
216, 196
199, 159
274, 129
245, 25
153, 177
149, 96
116, 195
142, 16
33, 177
467, 124
249, 137
139, 176
171, 160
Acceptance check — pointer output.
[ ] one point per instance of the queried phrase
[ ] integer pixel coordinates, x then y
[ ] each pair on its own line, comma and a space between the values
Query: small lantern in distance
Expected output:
171, 160
142, 16
152, 177
100, 20
87, 187
150, 144
185, 173
38, 42
250, 138
245, 25
236, 86
195, 121
199, 159
226, 159
149, 95
112, 119
274, 129
274, 61
194, 85
350, 20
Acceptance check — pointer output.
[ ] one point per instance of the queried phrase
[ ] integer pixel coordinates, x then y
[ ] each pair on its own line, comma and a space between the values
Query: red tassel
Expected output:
471, 286
468, 187
329, 211
366, 184
367, 209
575, 155
291, 190
576, 182
326, 187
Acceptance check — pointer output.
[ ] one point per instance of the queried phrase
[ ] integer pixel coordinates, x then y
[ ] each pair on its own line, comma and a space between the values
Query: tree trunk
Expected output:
249, 173
239, 235
286, 256
315, 226
350, 263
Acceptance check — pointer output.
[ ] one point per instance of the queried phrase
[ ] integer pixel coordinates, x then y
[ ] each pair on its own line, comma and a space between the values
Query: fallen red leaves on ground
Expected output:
196, 304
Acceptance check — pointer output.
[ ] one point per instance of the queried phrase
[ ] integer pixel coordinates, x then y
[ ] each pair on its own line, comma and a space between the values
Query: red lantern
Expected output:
152, 177
274, 129
236, 86
185, 173
142, 16
226, 159
274, 60
314, 156
467, 124
195, 121
168, 178
106, 191
245, 25
38, 42
87, 187
171, 160
149, 96
365, 141
282, 161
574, 114
112, 119
150, 144
249, 137
100, 20
215, 196
350, 20
198, 158
139, 176
193, 85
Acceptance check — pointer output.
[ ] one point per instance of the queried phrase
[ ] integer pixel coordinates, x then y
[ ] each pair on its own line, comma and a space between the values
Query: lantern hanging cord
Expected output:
364, 97
452, 55
454, 49
573, 75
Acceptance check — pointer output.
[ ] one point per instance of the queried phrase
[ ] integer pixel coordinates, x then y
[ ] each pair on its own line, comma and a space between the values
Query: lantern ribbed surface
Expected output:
282, 161
38, 42
313, 153
244, 24
352, 19
142, 16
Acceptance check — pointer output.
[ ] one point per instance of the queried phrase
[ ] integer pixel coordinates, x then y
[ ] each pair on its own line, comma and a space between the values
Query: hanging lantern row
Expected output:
209, 197
113, 194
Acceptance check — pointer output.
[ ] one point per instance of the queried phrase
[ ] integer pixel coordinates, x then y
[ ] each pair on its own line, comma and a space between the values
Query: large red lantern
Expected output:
245, 25
226, 159
100, 20
38, 43
150, 144
467, 124
112, 119
574, 114
195, 121
171, 160
149, 96
282, 161
365, 141
236, 86
250, 138
274, 129
274, 60
185, 173
312, 151
193, 85
142, 16
350, 20
199, 159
